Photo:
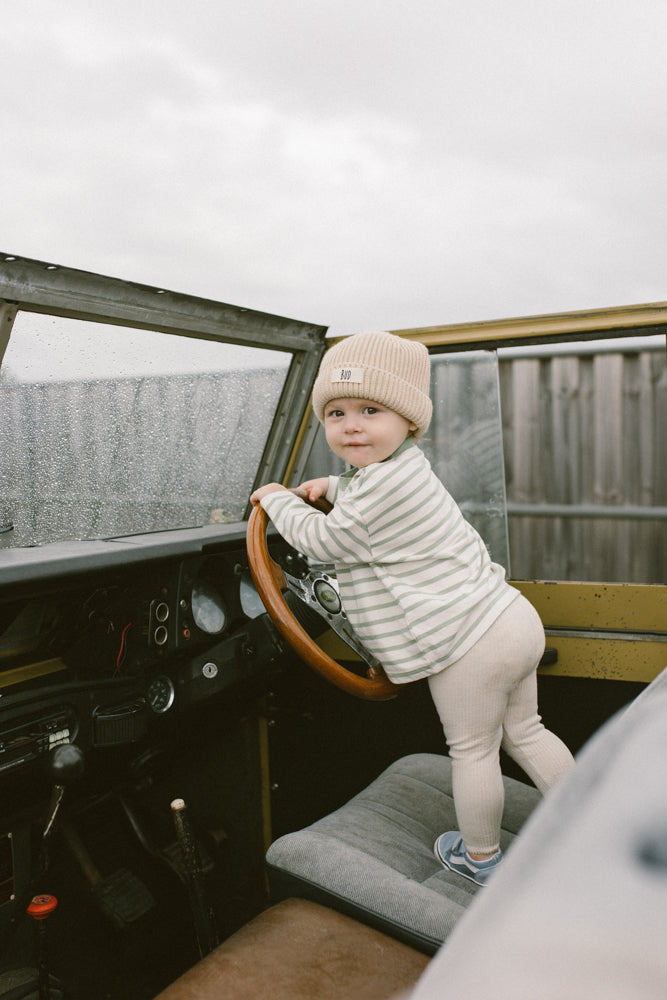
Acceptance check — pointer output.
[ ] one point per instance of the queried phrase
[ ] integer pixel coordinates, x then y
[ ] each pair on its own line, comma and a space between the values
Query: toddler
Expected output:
419, 587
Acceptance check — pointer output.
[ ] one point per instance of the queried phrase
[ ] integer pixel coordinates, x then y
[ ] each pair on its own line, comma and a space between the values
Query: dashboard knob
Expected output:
42, 906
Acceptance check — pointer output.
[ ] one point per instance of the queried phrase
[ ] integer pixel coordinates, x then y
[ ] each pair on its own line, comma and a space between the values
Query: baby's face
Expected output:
362, 432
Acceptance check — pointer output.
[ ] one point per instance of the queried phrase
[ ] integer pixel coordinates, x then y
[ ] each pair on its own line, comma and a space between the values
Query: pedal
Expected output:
123, 897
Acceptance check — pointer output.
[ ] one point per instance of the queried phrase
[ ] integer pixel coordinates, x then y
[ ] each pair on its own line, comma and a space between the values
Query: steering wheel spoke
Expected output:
319, 591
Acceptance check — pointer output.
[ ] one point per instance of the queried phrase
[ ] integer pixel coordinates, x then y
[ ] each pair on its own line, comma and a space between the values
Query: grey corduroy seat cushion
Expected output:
373, 858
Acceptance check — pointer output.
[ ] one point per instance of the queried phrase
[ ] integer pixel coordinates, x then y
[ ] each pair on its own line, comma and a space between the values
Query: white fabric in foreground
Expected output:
579, 909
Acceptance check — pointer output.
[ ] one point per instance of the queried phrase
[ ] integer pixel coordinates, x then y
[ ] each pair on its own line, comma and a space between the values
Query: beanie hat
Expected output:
382, 367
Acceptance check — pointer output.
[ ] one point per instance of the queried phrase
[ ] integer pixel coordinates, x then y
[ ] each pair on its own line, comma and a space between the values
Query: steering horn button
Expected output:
327, 597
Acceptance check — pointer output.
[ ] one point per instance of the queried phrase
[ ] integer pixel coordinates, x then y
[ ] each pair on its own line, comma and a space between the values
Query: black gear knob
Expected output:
66, 763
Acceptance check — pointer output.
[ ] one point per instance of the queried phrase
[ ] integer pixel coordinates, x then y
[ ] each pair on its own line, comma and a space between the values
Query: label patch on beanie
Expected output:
348, 375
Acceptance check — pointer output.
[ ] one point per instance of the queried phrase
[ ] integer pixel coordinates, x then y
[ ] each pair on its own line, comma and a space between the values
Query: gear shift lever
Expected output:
65, 764
40, 908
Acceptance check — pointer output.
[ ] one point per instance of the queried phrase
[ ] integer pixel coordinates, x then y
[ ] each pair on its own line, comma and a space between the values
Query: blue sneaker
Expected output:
450, 851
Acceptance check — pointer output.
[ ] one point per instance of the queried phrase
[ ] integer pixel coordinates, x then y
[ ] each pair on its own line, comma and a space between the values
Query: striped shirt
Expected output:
416, 580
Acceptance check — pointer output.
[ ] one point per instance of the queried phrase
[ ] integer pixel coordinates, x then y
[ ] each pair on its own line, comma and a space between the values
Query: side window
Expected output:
464, 443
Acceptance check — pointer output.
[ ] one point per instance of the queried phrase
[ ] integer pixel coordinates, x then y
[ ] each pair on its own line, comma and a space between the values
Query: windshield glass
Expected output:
112, 431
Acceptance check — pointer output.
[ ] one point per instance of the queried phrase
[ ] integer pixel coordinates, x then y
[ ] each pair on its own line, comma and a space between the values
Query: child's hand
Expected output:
263, 491
314, 488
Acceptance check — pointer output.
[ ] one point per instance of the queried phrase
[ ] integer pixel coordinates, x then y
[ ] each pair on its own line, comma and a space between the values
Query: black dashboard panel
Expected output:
110, 651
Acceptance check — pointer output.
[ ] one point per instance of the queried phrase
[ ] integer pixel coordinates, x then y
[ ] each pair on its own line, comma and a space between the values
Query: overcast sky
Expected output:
357, 163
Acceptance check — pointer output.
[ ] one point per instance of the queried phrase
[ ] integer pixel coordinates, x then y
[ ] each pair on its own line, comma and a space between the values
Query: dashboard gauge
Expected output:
208, 608
160, 694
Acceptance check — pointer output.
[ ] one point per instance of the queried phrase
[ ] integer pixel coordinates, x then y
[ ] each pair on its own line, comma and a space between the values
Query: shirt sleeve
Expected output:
339, 537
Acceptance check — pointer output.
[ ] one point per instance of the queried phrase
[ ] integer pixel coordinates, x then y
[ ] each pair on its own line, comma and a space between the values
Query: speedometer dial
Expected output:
208, 608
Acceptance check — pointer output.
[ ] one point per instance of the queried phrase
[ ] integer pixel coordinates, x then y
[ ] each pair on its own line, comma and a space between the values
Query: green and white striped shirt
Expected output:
416, 580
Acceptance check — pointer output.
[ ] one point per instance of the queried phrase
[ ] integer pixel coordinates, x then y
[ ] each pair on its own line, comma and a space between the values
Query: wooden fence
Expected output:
585, 439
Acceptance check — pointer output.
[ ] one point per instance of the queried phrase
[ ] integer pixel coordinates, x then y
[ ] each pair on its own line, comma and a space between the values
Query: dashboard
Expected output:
115, 655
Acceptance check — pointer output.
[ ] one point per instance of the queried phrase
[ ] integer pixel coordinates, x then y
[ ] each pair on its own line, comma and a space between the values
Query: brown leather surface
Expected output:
299, 950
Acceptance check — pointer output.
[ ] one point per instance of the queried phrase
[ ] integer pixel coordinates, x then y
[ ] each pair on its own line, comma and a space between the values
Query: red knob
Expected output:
42, 906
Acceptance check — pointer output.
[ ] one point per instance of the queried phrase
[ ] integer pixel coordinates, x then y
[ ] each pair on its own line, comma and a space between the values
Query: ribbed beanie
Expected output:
381, 367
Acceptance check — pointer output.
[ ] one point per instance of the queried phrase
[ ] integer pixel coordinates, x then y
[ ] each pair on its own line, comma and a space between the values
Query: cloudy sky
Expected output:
356, 163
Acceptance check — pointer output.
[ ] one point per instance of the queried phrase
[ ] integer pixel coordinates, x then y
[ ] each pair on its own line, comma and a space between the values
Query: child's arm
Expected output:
313, 489
336, 537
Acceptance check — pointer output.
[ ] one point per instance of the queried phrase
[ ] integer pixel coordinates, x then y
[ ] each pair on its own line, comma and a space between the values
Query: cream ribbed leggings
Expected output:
486, 700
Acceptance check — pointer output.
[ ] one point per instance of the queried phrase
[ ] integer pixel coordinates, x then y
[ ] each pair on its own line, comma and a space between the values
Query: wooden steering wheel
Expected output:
319, 591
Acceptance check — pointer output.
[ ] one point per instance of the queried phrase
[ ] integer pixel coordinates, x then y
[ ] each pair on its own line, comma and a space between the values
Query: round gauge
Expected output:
208, 608
160, 694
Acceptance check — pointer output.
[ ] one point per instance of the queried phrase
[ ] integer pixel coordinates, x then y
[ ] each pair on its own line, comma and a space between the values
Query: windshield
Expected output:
113, 431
